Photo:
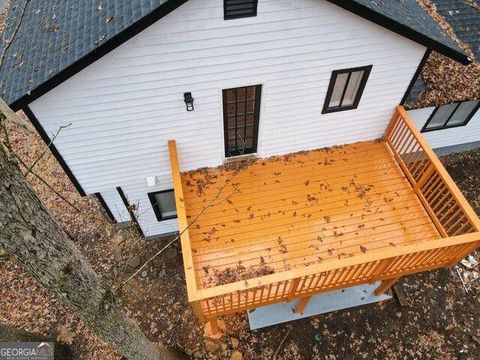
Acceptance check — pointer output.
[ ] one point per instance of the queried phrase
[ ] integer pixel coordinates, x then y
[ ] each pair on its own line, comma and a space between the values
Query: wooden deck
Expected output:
263, 231
297, 210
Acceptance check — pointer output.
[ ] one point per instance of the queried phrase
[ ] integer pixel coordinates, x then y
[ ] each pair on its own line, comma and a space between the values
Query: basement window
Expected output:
451, 115
163, 203
234, 9
345, 89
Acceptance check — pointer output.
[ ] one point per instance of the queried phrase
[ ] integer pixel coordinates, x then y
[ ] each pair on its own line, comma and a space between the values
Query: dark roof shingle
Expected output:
464, 18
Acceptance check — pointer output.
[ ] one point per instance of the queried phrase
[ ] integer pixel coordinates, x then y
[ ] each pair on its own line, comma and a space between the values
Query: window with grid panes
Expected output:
241, 107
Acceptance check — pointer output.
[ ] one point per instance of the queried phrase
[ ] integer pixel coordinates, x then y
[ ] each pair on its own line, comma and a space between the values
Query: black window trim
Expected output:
331, 85
445, 125
226, 16
156, 209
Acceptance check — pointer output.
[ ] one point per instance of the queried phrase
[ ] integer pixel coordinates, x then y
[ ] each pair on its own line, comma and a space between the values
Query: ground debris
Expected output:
238, 273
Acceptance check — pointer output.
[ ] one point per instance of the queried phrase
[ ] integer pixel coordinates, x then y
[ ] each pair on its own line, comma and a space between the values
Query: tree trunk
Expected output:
33, 238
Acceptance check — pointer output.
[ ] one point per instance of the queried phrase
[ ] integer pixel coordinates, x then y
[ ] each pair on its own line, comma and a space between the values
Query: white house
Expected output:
222, 78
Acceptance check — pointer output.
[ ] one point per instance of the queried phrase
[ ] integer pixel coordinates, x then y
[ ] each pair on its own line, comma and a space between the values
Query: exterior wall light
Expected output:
188, 101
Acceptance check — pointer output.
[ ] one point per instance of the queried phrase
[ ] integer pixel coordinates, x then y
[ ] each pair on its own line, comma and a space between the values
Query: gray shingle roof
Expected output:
464, 19
60, 37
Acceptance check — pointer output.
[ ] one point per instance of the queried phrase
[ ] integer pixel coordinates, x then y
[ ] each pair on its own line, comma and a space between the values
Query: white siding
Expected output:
447, 137
125, 107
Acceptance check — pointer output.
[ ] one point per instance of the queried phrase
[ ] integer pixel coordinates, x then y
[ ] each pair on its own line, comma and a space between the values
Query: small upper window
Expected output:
345, 89
234, 9
163, 203
451, 115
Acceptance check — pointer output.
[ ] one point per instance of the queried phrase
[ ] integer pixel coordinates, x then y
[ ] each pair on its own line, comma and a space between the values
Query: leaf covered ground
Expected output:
440, 320
446, 80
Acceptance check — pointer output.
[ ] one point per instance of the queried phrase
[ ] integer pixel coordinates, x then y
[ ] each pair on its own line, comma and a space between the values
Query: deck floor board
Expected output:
290, 211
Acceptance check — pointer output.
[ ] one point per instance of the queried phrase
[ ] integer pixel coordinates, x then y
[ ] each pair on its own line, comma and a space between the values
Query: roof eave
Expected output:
402, 30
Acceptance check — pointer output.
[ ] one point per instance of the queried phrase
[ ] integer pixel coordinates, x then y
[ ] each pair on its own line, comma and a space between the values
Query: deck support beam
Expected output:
301, 305
385, 285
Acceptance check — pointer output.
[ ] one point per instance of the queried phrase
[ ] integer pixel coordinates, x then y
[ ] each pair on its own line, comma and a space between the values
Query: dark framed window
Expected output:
241, 113
451, 115
163, 203
234, 9
346, 88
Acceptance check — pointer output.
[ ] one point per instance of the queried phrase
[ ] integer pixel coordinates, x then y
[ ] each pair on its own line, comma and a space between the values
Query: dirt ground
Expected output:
440, 320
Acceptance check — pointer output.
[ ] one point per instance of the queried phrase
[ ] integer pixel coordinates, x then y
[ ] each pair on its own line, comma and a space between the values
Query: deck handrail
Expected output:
374, 255
182, 221
441, 197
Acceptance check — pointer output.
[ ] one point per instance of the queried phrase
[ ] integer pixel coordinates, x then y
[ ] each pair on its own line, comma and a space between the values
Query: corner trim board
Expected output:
105, 207
416, 75
43, 134
130, 211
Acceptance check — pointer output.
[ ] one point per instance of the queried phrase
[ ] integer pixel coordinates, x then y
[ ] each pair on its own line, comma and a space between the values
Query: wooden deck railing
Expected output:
446, 205
331, 275
455, 220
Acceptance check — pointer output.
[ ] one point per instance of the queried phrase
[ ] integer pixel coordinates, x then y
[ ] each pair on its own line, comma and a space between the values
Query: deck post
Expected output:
197, 309
464, 253
391, 124
214, 325
214, 328
301, 305
293, 289
385, 285
383, 265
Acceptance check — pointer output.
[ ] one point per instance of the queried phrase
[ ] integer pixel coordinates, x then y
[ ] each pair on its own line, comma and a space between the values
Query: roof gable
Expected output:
58, 38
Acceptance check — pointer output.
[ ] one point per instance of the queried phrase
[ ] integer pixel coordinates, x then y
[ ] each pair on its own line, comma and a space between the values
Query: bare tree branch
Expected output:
8, 42
29, 169
153, 257
47, 184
